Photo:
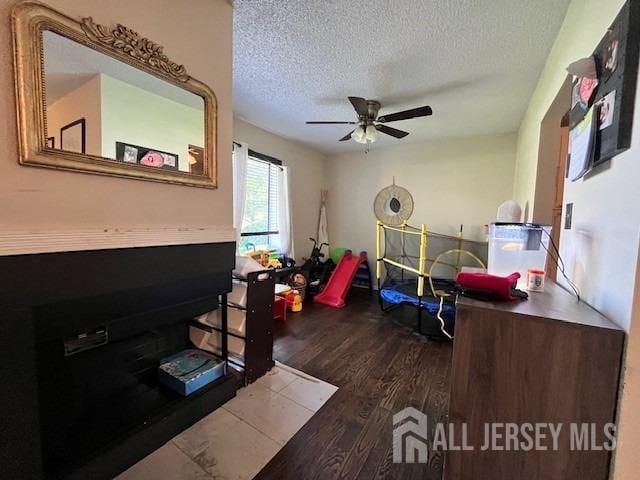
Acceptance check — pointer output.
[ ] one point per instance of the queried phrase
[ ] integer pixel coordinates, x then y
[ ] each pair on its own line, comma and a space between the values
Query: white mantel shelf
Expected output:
24, 242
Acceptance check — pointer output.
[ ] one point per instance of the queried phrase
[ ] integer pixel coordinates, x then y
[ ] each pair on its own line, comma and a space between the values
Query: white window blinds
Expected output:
260, 226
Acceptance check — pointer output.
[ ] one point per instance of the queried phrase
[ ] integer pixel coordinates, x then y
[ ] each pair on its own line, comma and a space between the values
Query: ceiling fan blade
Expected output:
394, 132
346, 137
359, 105
406, 114
330, 123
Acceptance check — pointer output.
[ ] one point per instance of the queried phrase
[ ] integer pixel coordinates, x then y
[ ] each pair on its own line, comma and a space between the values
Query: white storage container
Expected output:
212, 342
238, 295
245, 266
517, 247
236, 320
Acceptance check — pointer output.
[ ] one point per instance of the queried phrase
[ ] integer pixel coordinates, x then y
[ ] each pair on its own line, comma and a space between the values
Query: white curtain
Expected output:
323, 232
285, 228
240, 160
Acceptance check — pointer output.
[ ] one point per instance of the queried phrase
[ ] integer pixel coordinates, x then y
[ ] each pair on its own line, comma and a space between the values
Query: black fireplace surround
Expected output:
93, 413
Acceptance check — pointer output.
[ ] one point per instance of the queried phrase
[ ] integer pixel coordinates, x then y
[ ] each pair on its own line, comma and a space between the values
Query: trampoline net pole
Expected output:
378, 252
458, 259
403, 254
422, 264
379, 262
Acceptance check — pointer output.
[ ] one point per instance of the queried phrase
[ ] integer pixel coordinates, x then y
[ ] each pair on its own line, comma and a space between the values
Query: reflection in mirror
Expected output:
101, 106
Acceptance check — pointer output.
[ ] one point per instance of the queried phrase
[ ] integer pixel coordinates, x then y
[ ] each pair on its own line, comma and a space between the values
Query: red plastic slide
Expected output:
340, 281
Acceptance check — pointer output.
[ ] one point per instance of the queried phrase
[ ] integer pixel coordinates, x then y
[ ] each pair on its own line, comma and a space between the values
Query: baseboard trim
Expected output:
25, 242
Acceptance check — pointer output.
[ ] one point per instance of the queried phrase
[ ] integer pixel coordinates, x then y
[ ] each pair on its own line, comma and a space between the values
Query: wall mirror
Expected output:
105, 100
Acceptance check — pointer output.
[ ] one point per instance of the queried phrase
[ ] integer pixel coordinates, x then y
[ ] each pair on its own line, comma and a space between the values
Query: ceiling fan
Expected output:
369, 123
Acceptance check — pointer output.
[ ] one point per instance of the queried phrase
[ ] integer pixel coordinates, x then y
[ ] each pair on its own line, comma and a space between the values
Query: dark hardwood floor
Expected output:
380, 367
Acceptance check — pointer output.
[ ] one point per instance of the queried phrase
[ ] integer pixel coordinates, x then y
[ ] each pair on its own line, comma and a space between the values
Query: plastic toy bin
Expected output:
517, 247
190, 370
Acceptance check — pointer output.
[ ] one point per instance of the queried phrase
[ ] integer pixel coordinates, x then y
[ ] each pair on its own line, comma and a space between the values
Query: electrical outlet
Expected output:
568, 216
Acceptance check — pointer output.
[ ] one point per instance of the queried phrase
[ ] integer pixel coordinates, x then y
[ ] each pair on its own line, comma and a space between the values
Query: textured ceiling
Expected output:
475, 62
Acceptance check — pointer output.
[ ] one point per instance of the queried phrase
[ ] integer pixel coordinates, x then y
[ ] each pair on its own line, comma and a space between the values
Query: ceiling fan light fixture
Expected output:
359, 135
371, 134
365, 131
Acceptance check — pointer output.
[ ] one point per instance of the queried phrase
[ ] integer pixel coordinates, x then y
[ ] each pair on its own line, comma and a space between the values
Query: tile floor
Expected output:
240, 438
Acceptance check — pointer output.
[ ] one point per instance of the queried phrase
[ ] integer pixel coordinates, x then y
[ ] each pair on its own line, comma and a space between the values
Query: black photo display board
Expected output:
151, 157
616, 58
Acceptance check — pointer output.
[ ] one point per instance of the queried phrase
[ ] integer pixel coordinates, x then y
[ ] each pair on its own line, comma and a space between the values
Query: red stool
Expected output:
279, 308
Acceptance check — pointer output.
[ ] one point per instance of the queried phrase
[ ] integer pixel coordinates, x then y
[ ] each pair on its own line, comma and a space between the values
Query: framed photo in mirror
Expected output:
150, 157
196, 159
73, 137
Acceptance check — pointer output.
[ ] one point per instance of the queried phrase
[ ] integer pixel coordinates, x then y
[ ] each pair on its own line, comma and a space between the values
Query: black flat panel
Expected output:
132, 311
19, 429
54, 277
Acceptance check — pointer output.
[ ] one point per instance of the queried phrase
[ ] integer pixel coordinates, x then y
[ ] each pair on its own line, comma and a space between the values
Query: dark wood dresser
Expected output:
549, 359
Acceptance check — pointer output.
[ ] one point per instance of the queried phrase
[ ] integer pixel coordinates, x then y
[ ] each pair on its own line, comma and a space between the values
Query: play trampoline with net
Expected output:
417, 268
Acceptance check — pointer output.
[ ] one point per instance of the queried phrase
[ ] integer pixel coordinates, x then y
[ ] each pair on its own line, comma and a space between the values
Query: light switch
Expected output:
568, 216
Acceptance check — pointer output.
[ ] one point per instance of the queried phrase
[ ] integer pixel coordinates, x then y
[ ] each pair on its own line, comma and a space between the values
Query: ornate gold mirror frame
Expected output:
29, 21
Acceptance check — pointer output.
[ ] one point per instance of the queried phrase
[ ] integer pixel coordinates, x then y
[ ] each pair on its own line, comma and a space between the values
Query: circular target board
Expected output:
393, 205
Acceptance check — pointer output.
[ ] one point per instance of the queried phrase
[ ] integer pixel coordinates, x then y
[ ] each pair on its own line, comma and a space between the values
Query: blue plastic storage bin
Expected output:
189, 370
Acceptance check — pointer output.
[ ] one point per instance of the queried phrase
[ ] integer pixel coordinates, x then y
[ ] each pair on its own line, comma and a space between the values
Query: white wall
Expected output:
600, 251
83, 102
626, 457
307, 169
139, 117
453, 182
583, 27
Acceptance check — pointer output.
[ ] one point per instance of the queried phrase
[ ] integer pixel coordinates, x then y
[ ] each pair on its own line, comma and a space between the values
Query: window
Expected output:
260, 225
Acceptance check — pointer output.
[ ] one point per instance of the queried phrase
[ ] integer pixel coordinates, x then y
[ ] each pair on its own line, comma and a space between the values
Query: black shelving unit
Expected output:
256, 357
